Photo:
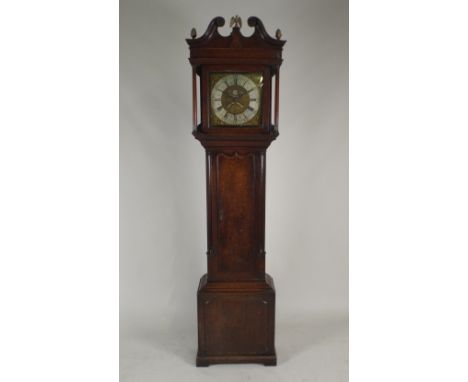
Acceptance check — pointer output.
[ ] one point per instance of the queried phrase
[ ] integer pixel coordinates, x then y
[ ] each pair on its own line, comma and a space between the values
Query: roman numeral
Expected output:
250, 108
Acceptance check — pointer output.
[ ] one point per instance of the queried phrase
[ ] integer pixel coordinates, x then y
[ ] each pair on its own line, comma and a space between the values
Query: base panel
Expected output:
236, 322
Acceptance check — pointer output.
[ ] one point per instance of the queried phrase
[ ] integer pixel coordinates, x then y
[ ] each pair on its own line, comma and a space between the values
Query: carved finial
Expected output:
278, 34
236, 22
193, 33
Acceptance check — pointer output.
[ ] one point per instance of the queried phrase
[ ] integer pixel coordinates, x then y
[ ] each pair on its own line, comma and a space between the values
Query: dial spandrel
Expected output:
235, 99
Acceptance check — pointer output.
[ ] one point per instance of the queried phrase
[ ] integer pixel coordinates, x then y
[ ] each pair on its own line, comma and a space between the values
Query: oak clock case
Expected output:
238, 121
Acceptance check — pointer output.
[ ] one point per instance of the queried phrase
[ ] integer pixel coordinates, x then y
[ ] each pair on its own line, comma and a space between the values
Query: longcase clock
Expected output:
236, 119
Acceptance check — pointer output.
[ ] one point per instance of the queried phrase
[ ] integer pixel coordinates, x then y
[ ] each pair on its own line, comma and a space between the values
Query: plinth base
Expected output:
236, 322
267, 360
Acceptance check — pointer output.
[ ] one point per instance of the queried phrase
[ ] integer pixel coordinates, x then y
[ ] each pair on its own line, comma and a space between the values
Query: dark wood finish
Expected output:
236, 298
236, 210
236, 322
194, 99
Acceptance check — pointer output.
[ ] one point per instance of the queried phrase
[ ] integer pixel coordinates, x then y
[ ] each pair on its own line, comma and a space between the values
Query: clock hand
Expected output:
234, 102
229, 98
245, 92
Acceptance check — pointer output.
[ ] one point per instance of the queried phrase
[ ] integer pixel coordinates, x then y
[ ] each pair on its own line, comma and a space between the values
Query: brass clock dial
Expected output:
236, 99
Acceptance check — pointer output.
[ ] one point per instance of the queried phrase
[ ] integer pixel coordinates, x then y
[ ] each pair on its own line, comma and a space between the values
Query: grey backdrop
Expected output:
162, 191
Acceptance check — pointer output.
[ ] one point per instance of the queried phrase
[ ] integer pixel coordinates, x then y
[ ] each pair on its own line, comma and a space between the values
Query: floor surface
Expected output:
311, 348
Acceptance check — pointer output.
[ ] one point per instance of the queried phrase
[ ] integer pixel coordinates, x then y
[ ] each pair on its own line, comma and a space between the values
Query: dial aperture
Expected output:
235, 99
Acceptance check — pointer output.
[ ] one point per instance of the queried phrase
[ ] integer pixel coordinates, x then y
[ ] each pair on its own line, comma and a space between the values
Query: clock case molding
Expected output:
236, 298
